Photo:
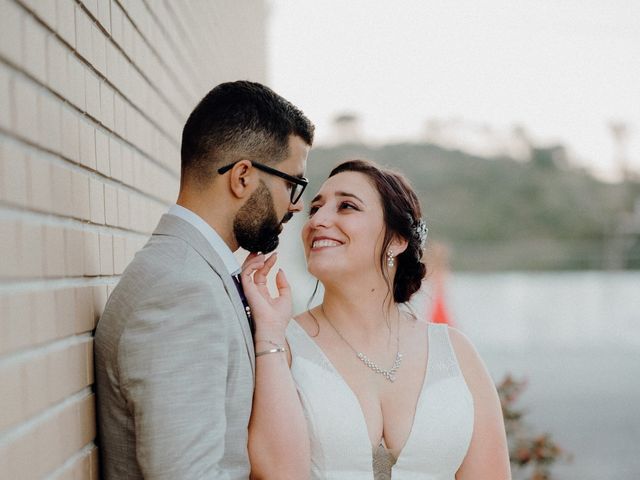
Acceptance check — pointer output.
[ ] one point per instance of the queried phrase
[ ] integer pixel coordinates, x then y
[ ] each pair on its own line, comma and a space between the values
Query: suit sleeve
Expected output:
173, 363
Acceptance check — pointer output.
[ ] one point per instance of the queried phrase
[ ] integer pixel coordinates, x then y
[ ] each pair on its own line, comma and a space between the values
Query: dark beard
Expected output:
256, 226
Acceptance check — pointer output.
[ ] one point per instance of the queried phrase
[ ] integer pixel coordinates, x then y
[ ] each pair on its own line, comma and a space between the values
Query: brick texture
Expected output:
93, 97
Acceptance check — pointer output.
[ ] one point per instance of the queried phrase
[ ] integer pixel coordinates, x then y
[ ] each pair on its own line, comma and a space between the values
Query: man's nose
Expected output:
297, 207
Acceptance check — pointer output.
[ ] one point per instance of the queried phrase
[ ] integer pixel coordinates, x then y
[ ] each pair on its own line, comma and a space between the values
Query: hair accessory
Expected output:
390, 260
421, 231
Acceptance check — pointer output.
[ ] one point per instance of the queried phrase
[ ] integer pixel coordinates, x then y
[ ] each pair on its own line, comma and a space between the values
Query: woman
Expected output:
371, 392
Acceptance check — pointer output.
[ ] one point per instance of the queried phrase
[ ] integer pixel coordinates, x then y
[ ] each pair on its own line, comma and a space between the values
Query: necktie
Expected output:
247, 308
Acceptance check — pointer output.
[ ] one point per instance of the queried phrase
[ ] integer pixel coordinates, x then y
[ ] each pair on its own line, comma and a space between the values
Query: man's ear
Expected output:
242, 178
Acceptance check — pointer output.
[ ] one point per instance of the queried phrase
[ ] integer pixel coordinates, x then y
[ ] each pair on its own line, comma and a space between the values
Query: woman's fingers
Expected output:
282, 284
260, 276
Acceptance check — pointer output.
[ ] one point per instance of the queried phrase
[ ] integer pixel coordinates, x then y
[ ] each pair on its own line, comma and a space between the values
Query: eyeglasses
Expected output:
298, 184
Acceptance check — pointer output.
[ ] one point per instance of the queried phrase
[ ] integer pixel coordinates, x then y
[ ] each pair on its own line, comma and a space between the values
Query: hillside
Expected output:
499, 214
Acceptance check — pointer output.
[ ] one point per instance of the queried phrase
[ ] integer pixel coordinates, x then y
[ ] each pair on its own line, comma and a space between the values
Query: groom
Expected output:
174, 354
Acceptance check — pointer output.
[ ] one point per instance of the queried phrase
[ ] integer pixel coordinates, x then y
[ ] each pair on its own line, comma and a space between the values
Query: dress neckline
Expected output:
354, 397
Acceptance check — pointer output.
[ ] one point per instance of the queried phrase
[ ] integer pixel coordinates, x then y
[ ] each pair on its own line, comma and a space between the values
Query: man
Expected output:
174, 354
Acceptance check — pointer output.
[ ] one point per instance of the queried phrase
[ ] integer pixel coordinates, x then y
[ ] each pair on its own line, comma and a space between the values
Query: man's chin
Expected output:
264, 247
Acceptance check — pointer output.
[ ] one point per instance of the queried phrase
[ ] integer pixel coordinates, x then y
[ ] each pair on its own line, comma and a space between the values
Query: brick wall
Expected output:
93, 96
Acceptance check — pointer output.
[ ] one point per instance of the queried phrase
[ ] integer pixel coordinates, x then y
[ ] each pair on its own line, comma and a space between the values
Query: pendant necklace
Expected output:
388, 374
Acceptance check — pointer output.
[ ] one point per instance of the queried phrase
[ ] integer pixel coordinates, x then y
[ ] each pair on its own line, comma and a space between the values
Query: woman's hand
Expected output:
270, 314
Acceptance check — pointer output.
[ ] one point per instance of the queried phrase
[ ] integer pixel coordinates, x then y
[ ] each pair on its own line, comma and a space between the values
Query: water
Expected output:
576, 338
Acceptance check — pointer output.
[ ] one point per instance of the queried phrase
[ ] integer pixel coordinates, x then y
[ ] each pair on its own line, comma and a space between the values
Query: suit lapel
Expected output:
177, 227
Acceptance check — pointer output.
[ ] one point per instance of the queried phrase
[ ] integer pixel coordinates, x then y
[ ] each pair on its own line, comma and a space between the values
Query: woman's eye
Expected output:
347, 205
313, 210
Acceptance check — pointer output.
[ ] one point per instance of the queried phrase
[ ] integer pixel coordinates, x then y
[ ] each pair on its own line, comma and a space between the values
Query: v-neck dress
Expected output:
340, 445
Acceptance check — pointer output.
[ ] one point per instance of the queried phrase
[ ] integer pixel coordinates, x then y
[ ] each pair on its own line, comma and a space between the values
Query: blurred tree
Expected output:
498, 213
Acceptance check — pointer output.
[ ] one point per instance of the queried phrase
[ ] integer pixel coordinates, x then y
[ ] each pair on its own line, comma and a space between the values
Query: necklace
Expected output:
388, 374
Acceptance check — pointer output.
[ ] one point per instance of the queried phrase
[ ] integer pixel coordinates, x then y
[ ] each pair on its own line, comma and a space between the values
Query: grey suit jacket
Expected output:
174, 365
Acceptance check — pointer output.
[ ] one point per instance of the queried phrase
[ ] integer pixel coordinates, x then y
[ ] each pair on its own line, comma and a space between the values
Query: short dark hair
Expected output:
238, 120
401, 213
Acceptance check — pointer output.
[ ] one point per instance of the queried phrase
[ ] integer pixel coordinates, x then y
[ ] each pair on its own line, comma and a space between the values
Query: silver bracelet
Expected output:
272, 350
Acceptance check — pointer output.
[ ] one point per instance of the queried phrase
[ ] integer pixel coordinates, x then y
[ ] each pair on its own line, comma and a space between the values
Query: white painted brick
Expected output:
56, 65
115, 158
127, 165
112, 62
5, 98
74, 248
91, 254
83, 34
18, 327
106, 254
44, 327
102, 152
11, 27
123, 209
119, 254
65, 308
80, 195
54, 253
61, 190
116, 22
87, 143
96, 194
92, 93
85, 317
106, 104
76, 92
31, 250
15, 178
40, 176
46, 10
99, 47
10, 248
66, 20
120, 125
131, 123
127, 36
135, 207
35, 49
138, 171
70, 134
50, 119
26, 119
111, 205
92, 6
104, 14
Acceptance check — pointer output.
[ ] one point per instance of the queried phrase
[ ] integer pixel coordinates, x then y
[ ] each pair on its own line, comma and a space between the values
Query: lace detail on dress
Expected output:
383, 462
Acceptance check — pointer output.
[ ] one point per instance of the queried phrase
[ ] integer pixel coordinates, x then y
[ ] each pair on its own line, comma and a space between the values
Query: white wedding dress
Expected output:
340, 445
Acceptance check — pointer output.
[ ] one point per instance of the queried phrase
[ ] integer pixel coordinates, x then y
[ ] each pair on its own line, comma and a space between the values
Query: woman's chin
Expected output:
322, 270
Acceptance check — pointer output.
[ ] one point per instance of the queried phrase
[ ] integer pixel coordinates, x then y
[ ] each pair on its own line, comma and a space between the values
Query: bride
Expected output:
357, 387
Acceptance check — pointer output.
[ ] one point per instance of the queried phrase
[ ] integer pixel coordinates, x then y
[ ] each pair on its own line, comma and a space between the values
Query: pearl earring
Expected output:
391, 262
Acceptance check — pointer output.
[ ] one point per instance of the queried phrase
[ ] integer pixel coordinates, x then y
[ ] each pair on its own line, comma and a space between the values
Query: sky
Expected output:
562, 69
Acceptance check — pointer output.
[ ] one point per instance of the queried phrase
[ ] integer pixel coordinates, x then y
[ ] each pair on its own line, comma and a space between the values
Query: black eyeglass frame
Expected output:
299, 181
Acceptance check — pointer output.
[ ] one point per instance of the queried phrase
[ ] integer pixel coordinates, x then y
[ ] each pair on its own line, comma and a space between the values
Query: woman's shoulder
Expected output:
471, 364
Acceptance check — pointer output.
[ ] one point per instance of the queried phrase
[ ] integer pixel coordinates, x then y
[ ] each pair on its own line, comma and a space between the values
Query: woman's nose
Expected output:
321, 218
